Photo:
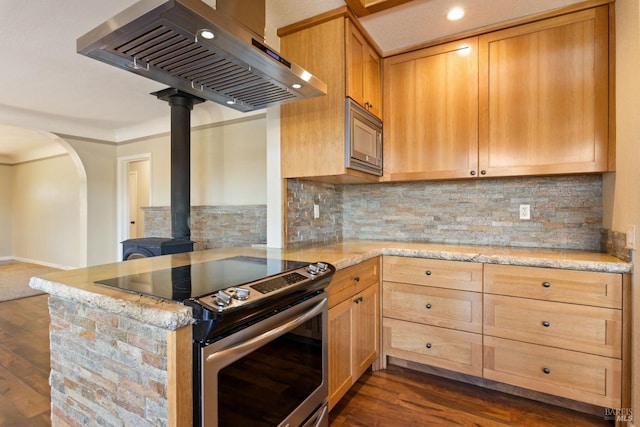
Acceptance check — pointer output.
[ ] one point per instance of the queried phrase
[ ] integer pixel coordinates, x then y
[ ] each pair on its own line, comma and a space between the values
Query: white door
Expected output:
134, 209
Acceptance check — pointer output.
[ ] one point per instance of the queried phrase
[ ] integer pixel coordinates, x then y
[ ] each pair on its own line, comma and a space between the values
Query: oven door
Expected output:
273, 373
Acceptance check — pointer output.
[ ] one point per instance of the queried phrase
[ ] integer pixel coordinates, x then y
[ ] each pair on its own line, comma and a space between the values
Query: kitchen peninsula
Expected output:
121, 356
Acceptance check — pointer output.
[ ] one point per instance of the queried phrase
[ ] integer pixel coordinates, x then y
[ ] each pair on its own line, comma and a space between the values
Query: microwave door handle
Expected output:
231, 354
379, 148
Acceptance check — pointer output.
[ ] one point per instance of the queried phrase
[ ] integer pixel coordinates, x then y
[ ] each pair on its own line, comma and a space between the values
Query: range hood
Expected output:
199, 48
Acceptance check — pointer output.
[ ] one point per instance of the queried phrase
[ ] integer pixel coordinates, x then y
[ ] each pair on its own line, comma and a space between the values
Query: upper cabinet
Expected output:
364, 69
431, 112
528, 100
544, 96
313, 132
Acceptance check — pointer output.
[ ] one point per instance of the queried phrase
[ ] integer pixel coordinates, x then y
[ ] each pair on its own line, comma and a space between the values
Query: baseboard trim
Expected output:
43, 263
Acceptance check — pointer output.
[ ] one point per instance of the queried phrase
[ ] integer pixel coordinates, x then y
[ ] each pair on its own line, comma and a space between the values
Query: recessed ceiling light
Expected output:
455, 14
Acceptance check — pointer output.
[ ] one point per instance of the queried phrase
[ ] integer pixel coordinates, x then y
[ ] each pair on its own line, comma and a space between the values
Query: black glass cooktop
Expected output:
196, 280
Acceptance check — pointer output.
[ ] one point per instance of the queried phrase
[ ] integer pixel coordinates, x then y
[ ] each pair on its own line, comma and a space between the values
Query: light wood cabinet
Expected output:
573, 375
528, 100
560, 332
432, 312
544, 96
555, 331
431, 113
461, 275
313, 132
364, 71
441, 347
595, 330
354, 325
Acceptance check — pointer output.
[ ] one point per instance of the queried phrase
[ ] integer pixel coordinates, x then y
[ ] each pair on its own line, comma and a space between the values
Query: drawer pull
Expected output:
428, 306
546, 371
356, 279
546, 324
428, 272
428, 345
546, 284
358, 300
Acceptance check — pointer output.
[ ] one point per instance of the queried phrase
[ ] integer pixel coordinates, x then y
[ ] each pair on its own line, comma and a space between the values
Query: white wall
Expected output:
6, 185
228, 163
99, 161
46, 212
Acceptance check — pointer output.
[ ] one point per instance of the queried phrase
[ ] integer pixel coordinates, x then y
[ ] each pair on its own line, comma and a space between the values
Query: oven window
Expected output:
265, 386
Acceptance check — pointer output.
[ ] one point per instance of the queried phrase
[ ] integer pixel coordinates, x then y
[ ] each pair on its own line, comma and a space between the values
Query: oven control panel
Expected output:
237, 296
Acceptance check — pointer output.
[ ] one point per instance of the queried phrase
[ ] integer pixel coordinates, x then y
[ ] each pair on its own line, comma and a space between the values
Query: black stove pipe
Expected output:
181, 104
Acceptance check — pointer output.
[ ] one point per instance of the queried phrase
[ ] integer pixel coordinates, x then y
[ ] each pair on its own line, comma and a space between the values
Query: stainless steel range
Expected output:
259, 338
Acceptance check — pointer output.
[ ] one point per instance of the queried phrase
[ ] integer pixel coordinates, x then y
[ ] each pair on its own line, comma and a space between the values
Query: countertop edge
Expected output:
147, 310
172, 316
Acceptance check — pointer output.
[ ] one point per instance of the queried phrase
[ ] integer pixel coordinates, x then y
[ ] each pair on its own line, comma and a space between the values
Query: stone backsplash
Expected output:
566, 212
92, 380
213, 226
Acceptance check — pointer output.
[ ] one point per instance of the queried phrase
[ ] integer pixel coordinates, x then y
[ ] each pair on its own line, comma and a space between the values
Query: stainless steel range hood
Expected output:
169, 41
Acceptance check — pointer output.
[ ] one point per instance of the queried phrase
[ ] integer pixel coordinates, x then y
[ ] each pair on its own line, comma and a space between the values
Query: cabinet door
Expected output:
363, 71
544, 96
366, 329
431, 112
340, 364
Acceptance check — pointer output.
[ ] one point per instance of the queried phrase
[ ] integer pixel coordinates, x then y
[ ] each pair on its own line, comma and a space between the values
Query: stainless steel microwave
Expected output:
363, 139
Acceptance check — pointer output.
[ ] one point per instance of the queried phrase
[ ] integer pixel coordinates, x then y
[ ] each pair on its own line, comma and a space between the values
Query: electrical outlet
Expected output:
525, 211
316, 211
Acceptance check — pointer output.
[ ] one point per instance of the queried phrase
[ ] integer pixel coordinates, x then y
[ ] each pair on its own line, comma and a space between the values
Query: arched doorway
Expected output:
47, 198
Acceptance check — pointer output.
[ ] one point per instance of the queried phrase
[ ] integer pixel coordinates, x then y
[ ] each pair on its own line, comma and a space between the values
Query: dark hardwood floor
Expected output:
402, 397
24, 362
394, 397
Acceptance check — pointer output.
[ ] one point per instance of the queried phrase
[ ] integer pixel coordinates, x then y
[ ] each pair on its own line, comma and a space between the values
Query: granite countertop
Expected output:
78, 285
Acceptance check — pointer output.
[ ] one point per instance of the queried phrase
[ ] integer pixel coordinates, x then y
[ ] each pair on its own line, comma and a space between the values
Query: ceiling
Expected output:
46, 86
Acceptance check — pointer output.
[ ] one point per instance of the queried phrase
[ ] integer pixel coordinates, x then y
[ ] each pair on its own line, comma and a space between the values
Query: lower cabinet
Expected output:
354, 325
554, 331
570, 374
432, 312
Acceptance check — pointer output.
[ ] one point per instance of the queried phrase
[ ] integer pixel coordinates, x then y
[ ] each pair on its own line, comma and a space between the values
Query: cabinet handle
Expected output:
546, 324
356, 279
428, 345
546, 284
358, 300
428, 272
546, 371
472, 173
428, 306
483, 172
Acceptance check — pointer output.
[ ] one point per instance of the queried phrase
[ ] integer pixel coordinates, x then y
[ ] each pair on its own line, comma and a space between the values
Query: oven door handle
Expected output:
233, 353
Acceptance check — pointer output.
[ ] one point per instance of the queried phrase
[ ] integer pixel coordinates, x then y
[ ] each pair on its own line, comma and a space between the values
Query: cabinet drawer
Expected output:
574, 375
588, 329
579, 287
465, 276
445, 348
433, 306
352, 280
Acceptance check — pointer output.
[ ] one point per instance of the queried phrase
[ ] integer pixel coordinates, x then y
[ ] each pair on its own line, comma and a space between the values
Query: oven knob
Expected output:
322, 266
224, 299
313, 269
241, 294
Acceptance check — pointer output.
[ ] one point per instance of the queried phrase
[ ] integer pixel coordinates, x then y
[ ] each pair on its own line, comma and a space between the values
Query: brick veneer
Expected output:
106, 369
213, 226
566, 212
